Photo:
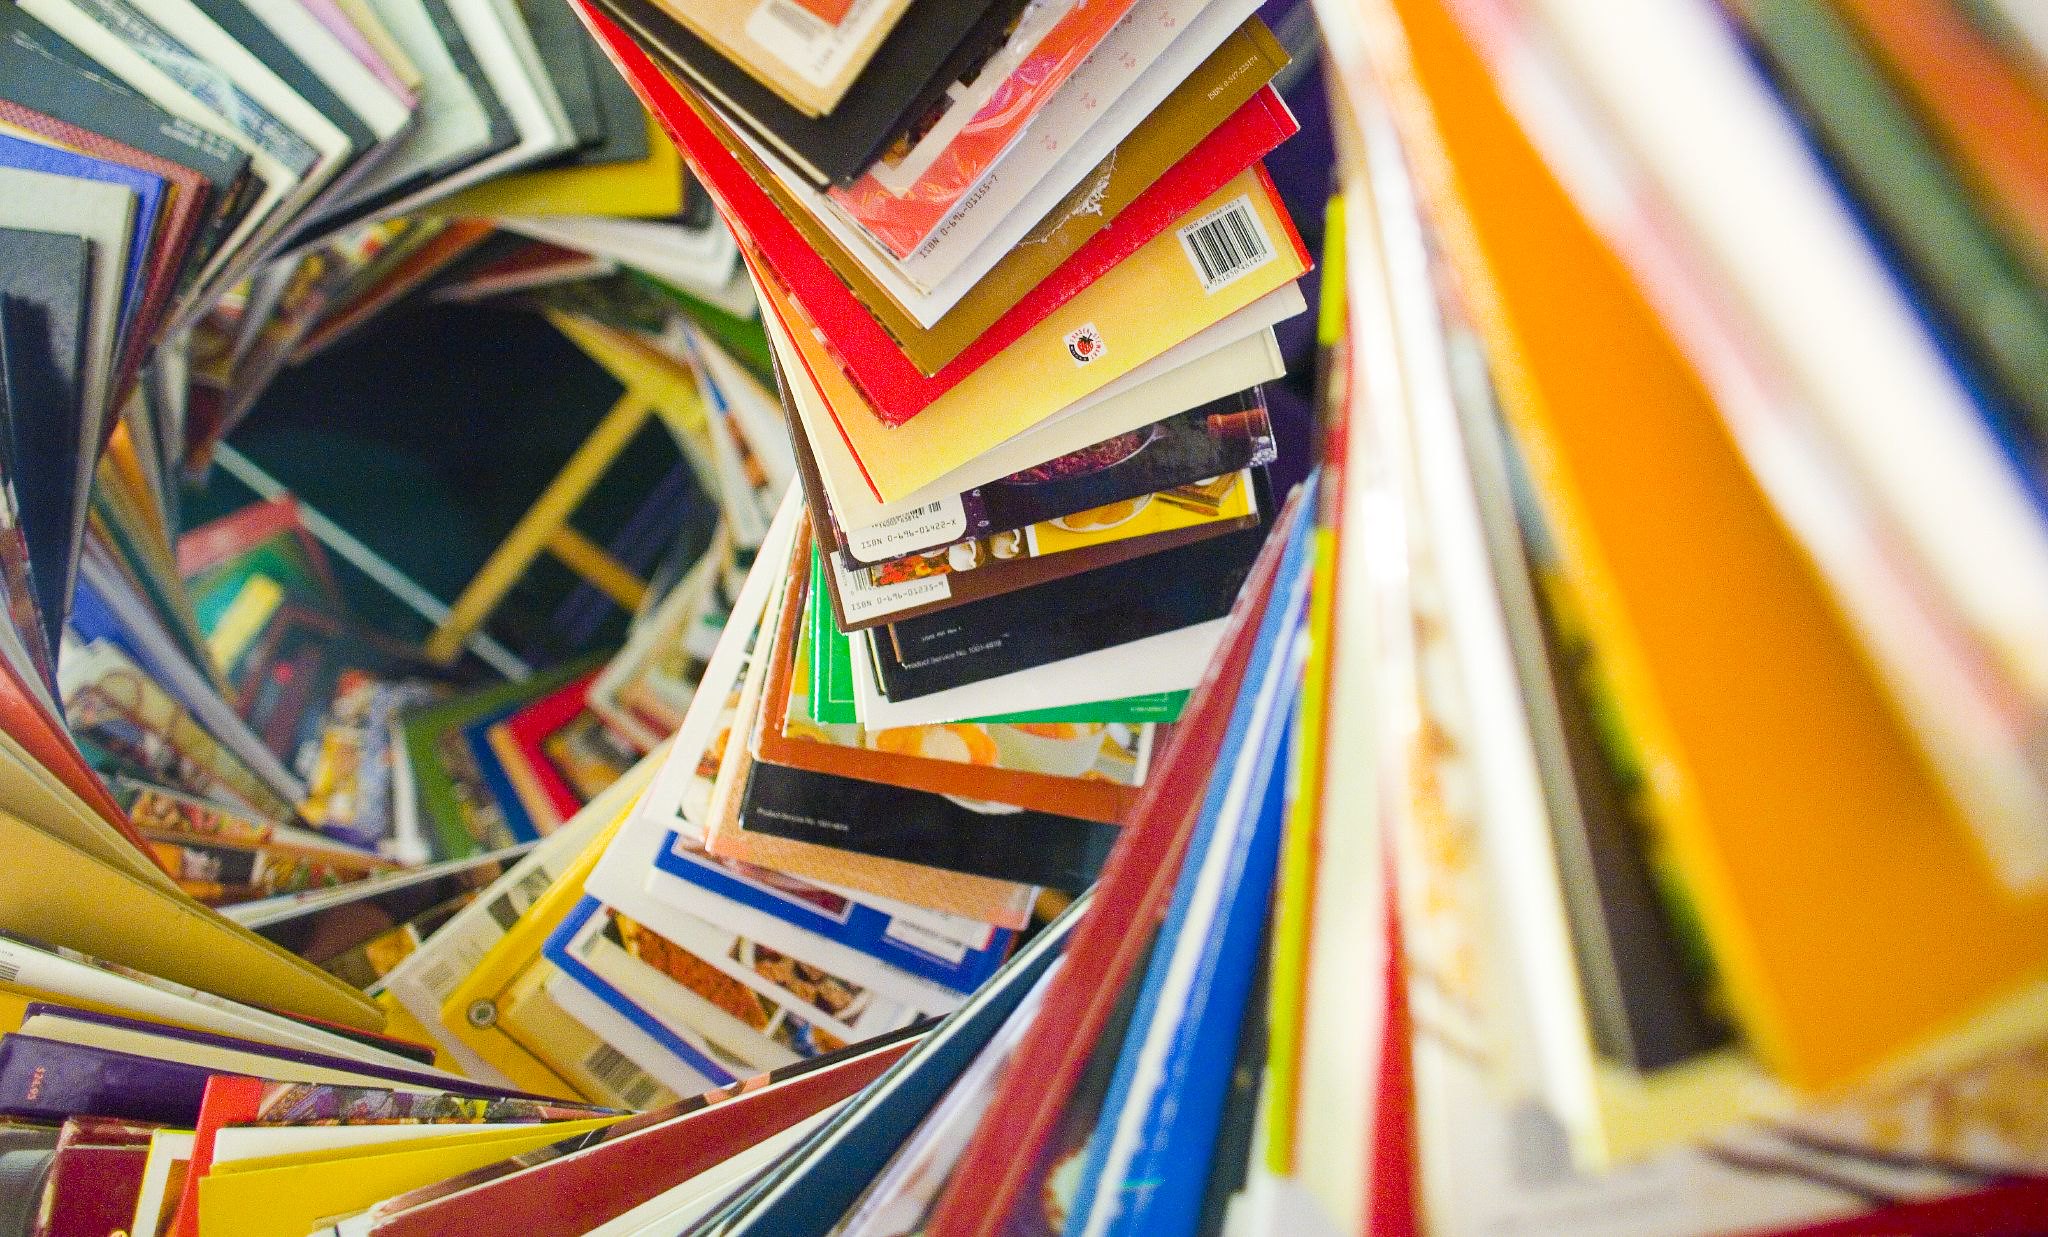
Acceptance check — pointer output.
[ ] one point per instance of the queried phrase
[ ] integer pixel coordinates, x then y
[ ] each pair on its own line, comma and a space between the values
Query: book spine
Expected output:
44, 1080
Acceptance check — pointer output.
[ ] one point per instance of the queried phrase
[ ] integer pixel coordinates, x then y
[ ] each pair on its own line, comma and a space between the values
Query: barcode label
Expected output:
939, 522
1227, 244
621, 1077
9, 971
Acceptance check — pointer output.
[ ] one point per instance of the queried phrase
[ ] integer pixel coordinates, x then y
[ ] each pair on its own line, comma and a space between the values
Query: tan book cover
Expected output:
1227, 80
809, 62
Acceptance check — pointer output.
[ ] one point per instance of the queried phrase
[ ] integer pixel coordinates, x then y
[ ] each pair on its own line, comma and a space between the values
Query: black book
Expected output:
19, 341
625, 120
44, 72
243, 26
559, 37
45, 281
915, 826
934, 44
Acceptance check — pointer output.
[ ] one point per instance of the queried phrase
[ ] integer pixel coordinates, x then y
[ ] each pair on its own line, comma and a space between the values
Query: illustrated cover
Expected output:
1017, 560
1218, 438
120, 714
809, 59
868, 943
1210, 128
936, 43
565, 748
1070, 769
467, 818
719, 1025
905, 194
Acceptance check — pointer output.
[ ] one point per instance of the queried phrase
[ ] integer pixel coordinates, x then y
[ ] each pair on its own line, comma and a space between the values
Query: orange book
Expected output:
1850, 915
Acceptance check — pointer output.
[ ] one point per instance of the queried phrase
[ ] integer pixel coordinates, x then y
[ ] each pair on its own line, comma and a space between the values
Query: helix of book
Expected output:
775, 617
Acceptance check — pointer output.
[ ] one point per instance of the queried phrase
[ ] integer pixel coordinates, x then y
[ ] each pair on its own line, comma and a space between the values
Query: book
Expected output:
1106, 945
901, 197
808, 59
932, 46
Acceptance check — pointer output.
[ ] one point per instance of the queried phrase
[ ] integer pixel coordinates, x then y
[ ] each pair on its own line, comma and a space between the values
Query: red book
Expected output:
52, 746
95, 1178
605, 1174
871, 357
1111, 942
533, 724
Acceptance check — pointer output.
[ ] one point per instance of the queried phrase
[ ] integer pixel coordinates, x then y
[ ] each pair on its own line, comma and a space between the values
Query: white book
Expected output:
703, 261
1169, 662
504, 51
451, 121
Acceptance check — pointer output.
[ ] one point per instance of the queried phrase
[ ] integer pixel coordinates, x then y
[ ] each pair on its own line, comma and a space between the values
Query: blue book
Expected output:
148, 188
1147, 1165
588, 918
808, 1192
852, 924
476, 736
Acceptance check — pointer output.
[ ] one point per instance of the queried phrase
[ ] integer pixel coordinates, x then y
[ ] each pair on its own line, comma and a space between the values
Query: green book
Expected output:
1879, 149
831, 699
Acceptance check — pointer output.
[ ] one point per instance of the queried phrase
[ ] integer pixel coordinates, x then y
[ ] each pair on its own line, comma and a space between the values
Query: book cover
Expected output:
978, 838
1213, 126
1072, 769
934, 45
1218, 438
1014, 561
809, 59
849, 934
900, 199
44, 1080
1086, 613
95, 1178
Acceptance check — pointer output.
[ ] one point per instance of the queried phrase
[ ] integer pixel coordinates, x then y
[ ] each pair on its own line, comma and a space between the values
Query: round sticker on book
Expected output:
1084, 343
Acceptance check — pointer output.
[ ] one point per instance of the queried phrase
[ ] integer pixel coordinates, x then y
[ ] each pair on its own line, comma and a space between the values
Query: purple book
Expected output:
383, 1073
44, 1080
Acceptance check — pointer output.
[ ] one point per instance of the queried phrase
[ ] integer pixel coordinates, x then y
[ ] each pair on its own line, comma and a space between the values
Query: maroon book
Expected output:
95, 1178
580, 1184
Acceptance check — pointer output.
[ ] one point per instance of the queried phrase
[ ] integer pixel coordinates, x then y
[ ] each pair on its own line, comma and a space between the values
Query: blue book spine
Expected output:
1166, 1094
560, 950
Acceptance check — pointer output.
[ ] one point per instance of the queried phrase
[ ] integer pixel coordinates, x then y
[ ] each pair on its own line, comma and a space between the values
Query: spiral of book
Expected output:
976, 618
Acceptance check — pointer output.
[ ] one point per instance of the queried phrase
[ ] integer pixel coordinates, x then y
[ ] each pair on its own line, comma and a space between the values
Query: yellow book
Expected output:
471, 1012
596, 1070
1295, 884
53, 892
1847, 910
291, 1195
34, 794
649, 188
1140, 308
